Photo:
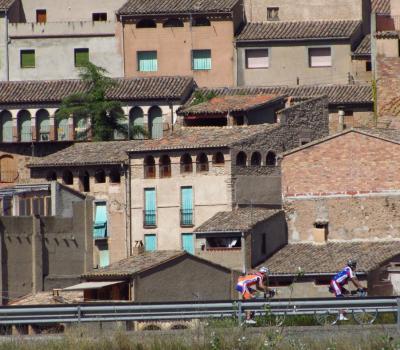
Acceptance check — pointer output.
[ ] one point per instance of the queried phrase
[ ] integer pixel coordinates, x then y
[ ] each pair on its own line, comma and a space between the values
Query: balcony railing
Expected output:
149, 218
186, 217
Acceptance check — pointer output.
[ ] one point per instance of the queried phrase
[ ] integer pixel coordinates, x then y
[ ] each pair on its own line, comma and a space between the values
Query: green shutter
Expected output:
81, 57
201, 59
27, 58
147, 61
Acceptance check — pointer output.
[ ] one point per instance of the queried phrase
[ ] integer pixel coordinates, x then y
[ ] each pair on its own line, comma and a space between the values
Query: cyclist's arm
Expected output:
261, 286
356, 282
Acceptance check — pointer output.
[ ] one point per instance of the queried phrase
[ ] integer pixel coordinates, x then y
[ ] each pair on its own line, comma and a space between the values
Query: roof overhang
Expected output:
209, 234
92, 285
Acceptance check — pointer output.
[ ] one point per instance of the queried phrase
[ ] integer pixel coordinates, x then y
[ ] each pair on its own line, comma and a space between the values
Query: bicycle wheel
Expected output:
327, 318
363, 316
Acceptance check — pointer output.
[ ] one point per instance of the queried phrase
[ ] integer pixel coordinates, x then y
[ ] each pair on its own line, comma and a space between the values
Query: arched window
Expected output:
136, 122
8, 169
100, 176
68, 178
43, 125
149, 167
51, 176
271, 159
165, 166
6, 126
202, 162
186, 164
218, 159
62, 128
81, 128
256, 159
115, 176
24, 126
172, 22
120, 128
241, 159
84, 181
155, 123
146, 23
200, 22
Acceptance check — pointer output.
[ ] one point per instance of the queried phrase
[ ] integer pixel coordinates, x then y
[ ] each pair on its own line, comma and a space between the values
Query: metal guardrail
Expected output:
12, 315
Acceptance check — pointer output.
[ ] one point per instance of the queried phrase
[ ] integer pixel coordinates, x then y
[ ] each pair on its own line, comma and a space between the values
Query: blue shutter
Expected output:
187, 242
186, 206
150, 206
100, 221
147, 61
150, 243
26, 130
201, 59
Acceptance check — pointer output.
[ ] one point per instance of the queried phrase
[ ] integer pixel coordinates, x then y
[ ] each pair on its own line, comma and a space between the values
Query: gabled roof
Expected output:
331, 257
142, 262
239, 220
126, 89
87, 153
202, 137
337, 94
364, 48
160, 7
6, 4
227, 103
380, 6
299, 30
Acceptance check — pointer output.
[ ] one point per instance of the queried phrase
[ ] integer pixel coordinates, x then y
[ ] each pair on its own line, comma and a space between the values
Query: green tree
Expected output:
106, 116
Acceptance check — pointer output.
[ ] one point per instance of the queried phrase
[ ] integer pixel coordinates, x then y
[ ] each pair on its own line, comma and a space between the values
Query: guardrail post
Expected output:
240, 313
398, 314
79, 314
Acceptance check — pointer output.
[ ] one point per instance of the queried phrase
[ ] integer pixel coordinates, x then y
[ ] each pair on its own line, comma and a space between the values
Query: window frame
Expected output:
246, 58
77, 51
138, 59
26, 51
269, 10
310, 49
40, 12
193, 58
99, 15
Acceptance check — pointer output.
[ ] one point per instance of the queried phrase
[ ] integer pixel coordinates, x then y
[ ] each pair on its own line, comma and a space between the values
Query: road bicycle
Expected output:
361, 315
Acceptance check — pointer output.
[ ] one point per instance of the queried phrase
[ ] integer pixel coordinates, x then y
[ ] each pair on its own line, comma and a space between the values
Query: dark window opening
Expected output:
271, 159
200, 22
368, 66
172, 23
84, 182
149, 168
41, 16
224, 243
115, 176
99, 16
51, 176
146, 23
348, 113
256, 159
322, 281
199, 121
165, 166
202, 163
273, 13
7, 206
218, 159
186, 164
241, 159
67, 178
100, 177
81, 57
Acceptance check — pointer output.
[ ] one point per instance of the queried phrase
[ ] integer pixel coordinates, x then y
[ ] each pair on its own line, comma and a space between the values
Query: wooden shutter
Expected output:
8, 169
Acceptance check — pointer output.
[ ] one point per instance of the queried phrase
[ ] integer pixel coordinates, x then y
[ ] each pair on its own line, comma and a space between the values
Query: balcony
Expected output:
100, 230
149, 218
187, 217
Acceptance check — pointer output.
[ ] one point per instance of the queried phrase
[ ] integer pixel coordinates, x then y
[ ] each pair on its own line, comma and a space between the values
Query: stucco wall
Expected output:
174, 45
197, 281
289, 64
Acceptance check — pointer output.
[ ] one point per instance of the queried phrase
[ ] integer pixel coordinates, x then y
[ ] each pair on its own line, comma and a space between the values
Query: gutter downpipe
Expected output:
123, 43
128, 226
6, 61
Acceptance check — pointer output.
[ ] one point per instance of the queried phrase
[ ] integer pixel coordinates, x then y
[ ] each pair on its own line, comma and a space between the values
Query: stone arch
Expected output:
202, 163
255, 159
6, 126
165, 166
186, 163
155, 122
270, 159
43, 125
84, 181
241, 159
149, 165
67, 177
136, 119
218, 158
24, 126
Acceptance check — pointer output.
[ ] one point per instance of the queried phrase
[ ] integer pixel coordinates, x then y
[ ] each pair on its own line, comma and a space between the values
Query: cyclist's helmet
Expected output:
264, 270
352, 263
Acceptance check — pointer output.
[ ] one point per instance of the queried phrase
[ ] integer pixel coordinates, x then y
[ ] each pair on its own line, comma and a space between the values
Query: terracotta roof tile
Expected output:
227, 103
330, 257
242, 219
148, 88
203, 137
143, 7
387, 34
380, 6
364, 48
6, 4
299, 30
337, 94
44, 298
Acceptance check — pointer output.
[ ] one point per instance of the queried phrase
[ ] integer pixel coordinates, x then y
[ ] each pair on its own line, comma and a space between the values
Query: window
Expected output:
187, 242
6, 126
150, 243
202, 163
273, 13
241, 159
271, 159
223, 243
51, 176
320, 57
41, 16
100, 221
27, 58
34, 205
43, 125
67, 178
24, 126
99, 16
218, 159
186, 206
104, 255
149, 217
368, 66
165, 166
147, 61
7, 208
100, 176
62, 129
256, 59
200, 22
149, 168
172, 22
8, 169
84, 182
81, 57
255, 159
201, 59
146, 23
115, 176
186, 164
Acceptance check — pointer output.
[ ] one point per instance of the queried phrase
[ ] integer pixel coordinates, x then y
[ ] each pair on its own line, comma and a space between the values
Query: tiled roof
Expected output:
87, 153
380, 6
6, 4
159, 7
148, 88
136, 263
300, 30
44, 298
227, 103
337, 94
364, 49
202, 137
331, 257
387, 34
242, 219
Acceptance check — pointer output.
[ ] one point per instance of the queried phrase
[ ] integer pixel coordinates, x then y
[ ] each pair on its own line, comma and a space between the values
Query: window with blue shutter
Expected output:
187, 242
150, 243
100, 221
104, 256
147, 61
150, 207
186, 206
201, 59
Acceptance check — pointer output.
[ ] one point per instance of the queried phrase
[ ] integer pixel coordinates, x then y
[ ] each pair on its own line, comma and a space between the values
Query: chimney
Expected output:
320, 232
138, 248
340, 120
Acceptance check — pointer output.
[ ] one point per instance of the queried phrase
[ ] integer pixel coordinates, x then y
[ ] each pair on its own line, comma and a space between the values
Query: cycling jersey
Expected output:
340, 279
246, 282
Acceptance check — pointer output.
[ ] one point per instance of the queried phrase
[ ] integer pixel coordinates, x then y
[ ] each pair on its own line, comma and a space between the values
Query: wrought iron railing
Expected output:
149, 218
186, 217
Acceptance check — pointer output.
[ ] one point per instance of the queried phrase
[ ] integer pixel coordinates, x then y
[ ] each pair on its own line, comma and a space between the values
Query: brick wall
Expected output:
348, 164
